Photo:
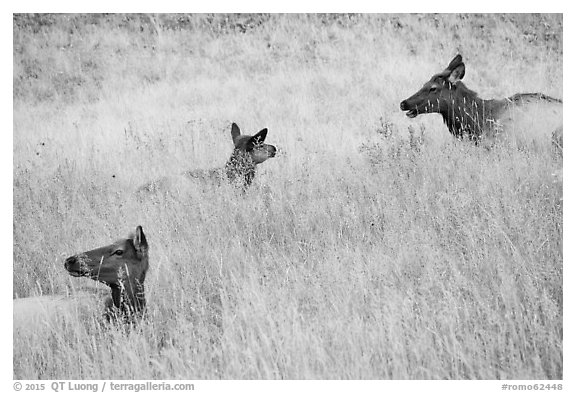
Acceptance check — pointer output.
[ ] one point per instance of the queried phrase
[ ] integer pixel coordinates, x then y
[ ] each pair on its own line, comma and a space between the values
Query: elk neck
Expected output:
466, 114
240, 165
129, 298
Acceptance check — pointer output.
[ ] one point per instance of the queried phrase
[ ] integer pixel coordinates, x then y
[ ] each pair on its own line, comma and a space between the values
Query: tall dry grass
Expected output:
373, 246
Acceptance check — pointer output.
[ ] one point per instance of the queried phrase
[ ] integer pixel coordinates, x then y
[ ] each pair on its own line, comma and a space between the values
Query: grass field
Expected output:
372, 247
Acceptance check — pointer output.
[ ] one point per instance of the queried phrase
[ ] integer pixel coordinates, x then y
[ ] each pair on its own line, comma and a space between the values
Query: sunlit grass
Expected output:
359, 252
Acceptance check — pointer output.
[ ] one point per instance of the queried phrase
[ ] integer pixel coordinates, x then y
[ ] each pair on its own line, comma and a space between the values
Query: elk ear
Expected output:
457, 73
235, 132
140, 243
259, 137
456, 61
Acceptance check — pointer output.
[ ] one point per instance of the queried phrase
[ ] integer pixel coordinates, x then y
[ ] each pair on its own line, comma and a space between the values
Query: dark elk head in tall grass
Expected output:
249, 151
445, 93
465, 114
122, 266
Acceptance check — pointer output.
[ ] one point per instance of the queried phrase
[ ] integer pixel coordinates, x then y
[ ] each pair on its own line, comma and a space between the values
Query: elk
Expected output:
122, 266
240, 169
522, 117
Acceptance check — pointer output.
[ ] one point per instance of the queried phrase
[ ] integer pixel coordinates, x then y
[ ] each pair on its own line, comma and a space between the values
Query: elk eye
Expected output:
118, 252
433, 89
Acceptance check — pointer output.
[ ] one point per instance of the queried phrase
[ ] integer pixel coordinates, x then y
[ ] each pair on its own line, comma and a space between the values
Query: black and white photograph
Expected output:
287, 196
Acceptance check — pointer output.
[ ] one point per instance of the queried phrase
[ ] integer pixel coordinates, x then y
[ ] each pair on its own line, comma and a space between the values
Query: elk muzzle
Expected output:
76, 266
412, 111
